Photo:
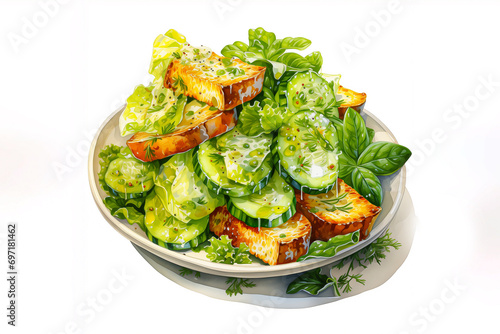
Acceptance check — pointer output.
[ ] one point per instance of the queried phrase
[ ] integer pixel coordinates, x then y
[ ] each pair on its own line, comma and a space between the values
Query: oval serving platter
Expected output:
393, 187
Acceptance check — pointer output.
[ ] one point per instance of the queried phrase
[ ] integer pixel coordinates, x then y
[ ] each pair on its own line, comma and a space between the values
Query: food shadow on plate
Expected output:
271, 292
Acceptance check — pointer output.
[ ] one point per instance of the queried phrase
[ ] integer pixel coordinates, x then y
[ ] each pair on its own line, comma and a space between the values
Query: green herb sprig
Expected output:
332, 202
313, 282
236, 284
180, 84
150, 153
186, 272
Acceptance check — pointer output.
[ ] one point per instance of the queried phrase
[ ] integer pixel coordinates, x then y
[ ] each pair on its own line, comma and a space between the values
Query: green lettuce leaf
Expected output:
164, 47
152, 109
321, 249
134, 116
155, 109
222, 251
131, 210
264, 117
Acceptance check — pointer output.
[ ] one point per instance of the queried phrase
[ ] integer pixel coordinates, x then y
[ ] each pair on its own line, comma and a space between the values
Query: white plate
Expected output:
393, 187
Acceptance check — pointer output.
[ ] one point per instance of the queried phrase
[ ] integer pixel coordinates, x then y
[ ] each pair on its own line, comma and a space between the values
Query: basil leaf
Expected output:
371, 134
281, 45
384, 158
237, 49
316, 60
294, 60
355, 134
367, 185
348, 179
261, 38
297, 43
267, 93
322, 249
313, 282
346, 165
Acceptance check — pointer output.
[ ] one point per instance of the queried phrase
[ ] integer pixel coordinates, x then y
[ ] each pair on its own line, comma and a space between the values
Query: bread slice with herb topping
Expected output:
273, 245
199, 123
333, 214
220, 82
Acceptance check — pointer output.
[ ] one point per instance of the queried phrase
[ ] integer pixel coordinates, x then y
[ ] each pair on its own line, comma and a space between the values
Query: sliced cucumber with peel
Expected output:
181, 247
305, 152
270, 207
309, 91
165, 230
130, 178
213, 165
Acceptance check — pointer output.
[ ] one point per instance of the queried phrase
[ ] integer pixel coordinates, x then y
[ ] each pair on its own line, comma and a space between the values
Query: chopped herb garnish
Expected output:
236, 284
334, 201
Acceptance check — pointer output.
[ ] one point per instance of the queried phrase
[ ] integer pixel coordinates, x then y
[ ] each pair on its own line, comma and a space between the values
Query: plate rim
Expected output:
235, 270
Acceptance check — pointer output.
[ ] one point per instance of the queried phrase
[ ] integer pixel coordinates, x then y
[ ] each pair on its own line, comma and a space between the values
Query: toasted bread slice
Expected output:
330, 217
351, 99
224, 91
194, 129
275, 245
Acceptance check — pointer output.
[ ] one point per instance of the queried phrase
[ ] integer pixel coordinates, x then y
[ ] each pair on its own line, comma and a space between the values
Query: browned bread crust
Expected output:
327, 224
188, 134
221, 92
276, 245
351, 99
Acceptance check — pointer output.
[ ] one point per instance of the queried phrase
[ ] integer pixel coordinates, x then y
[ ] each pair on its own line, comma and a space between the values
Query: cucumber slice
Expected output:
168, 231
212, 174
270, 207
306, 152
181, 247
226, 164
309, 91
242, 155
182, 192
130, 178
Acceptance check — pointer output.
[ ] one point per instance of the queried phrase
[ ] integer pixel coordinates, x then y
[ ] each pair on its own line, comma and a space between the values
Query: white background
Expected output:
61, 80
